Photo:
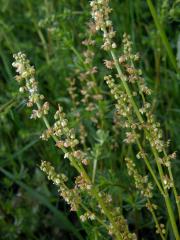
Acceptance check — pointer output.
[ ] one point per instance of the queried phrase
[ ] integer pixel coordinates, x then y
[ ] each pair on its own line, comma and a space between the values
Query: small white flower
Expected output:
114, 45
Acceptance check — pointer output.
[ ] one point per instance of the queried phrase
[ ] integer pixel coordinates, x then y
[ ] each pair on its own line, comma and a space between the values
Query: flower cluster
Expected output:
78, 154
62, 131
82, 183
26, 78
168, 183
123, 229
72, 89
71, 196
58, 179
145, 187
87, 215
141, 182
100, 14
120, 96
166, 160
162, 229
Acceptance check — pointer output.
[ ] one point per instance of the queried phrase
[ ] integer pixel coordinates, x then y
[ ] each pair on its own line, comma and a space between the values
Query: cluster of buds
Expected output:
168, 183
145, 108
119, 95
116, 130
109, 64
82, 135
88, 42
155, 133
26, 78
123, 110
131, 137
88, 55
78, 154
127, 50
127, 61
23, 68
41, 111
123, 229
166, 160
72, 89
141, 182
120, 226
87, 216
62, 131
100, 15
57, 179
144, 89
151, 206
71, 196
107, 198
82, 184
161, 230
141, 154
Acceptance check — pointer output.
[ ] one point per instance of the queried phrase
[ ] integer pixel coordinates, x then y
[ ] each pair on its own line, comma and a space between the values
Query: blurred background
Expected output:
48, 31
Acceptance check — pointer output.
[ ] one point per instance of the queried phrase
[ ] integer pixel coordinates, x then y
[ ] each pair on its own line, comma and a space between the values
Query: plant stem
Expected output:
162, 34
95, 191
123, 79
94, 169
157, 223
155, 153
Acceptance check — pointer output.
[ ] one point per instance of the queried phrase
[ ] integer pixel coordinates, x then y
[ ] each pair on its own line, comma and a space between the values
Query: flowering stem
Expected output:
150, 169
169, 171
157, 224
122, 77
175, 191
94, 80
81, 170
166, 196
174, 188
97, 218
108, 214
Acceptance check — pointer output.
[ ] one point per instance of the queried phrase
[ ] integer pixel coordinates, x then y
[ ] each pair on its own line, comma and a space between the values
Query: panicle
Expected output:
26, 78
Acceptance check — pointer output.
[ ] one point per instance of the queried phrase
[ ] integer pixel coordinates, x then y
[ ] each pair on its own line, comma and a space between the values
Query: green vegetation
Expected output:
97, 114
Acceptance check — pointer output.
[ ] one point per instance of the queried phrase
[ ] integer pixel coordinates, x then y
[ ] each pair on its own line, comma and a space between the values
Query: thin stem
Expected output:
157, 223
96, 217
94, 169
175, 191
108, 214
150, 169
169, 168
162, 34
171, 216
148, 164
123, 78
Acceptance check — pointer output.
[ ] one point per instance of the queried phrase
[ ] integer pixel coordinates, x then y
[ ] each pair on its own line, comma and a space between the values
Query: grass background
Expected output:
47, 31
